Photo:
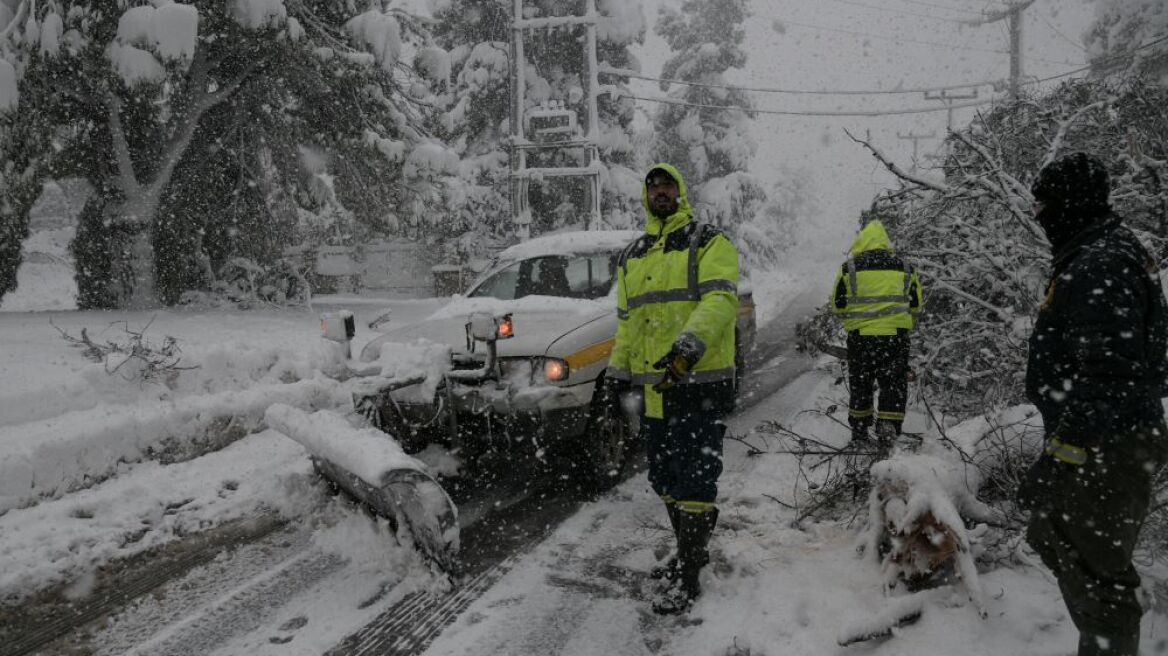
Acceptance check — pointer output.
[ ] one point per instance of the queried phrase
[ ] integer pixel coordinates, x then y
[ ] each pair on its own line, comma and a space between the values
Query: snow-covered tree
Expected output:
1129, 34
969, 229
712, 146
468, 72
207, 129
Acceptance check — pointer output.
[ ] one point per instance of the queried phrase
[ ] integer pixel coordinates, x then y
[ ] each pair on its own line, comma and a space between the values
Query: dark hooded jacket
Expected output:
1097, 354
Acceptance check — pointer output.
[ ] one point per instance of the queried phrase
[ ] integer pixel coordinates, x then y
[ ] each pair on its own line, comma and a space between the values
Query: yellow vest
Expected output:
680, 277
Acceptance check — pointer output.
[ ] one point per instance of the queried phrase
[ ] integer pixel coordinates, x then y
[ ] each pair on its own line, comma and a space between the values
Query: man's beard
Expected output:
669, 209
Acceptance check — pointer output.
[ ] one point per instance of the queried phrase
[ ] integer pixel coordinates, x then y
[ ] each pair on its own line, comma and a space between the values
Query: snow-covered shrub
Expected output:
243, 283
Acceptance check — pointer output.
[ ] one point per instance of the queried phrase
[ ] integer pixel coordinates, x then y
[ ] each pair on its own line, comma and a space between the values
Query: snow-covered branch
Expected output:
939, 187
1056, 144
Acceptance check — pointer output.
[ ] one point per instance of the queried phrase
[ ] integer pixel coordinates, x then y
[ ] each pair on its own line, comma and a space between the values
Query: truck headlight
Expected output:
555, 370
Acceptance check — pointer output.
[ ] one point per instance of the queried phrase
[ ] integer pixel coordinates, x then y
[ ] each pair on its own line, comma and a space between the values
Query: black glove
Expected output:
682, 357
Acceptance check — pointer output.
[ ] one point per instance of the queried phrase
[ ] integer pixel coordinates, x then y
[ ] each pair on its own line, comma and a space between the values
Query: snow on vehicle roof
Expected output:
571, 243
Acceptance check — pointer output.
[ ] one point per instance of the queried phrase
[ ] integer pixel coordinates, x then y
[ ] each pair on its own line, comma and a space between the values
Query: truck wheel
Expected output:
603, 448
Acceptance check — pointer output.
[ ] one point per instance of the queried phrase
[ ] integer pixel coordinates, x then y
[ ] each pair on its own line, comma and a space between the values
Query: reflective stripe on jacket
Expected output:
876, 293
680, 277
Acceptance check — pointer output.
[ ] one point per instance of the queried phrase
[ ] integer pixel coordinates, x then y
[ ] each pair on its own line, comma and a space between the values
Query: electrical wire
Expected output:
1059, 32
808, 92
939, 6
1101, 60
947, 46
783, 112
903, 12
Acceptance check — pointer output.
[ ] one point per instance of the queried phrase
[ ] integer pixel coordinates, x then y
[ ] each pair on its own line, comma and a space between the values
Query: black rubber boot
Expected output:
693, 553
669, 569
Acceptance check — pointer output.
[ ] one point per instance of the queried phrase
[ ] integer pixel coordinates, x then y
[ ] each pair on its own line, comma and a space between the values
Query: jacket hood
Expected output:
872, 238
656, 226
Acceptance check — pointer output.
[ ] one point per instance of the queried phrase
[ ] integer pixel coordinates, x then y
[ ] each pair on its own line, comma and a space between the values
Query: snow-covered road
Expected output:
242, 551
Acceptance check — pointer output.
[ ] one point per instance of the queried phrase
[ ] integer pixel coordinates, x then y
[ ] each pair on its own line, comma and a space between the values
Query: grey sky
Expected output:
816, 57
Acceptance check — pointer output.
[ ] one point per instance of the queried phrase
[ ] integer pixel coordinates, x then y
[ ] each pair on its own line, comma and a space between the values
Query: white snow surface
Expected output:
569, 243
259, 14
95, 467
366, 452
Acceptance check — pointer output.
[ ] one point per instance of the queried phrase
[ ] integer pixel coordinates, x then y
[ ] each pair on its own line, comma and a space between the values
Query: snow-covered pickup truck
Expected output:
540, 393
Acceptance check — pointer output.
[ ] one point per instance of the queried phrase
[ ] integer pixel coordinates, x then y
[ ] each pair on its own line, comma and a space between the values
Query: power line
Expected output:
808, 92
1114, 57
1058, 32
947, 46
939, 6
783, 112
894, 10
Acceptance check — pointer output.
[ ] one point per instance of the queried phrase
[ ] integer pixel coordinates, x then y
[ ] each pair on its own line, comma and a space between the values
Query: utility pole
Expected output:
947, 96
916, 139
542, 129
1013, 14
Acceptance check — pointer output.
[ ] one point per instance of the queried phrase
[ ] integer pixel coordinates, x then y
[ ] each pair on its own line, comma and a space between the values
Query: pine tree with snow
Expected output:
205, 128
711, 145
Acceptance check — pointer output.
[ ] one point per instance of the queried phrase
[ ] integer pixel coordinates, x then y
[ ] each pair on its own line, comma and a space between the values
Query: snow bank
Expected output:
146, 506
368, 453
49, 458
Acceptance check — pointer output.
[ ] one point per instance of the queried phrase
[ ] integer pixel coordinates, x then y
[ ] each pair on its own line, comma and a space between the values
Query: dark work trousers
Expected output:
877, 360
1086, 531
684, 450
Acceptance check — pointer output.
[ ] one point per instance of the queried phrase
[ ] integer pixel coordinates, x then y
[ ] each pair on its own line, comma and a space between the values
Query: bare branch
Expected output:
897, 171
1060, 136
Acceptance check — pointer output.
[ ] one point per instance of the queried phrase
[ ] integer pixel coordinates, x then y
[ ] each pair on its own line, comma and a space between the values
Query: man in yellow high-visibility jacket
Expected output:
677, 301
878, 297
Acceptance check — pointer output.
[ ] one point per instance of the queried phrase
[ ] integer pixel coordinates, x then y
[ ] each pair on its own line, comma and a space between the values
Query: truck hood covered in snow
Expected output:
538, 320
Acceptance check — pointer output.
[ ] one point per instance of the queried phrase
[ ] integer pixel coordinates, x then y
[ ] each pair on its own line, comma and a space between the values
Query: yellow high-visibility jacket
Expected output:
876, 292
680, 277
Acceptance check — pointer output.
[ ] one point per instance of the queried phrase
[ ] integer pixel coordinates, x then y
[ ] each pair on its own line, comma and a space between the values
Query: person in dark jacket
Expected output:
1096, 369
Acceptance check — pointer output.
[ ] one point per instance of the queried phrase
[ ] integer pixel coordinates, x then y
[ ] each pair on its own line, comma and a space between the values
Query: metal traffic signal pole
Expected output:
526, 134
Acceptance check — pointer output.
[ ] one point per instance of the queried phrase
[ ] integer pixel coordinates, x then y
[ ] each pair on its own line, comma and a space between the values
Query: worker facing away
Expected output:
1096, 372
877, 297
676, 306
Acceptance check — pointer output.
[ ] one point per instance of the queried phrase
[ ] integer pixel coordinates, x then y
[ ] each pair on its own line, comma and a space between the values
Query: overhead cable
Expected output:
935, 44
894, 10
940, 6
608, 70
783, 112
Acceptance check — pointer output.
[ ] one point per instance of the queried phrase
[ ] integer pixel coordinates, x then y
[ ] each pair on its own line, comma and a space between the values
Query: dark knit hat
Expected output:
1077, 183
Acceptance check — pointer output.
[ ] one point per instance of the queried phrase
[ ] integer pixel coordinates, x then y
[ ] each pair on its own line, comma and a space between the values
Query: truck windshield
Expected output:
576, 276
